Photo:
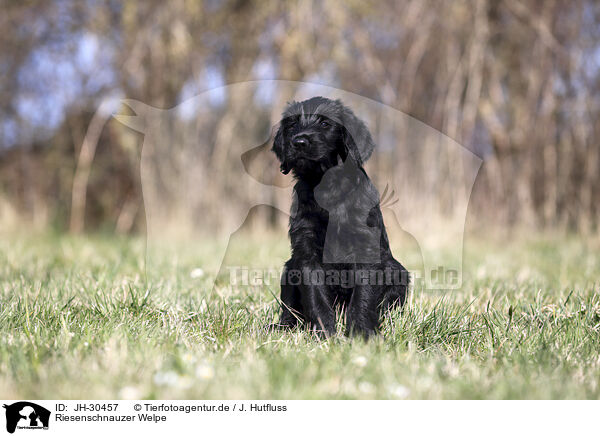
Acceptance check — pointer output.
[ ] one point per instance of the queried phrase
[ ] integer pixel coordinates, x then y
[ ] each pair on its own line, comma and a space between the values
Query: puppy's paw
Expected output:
361, 332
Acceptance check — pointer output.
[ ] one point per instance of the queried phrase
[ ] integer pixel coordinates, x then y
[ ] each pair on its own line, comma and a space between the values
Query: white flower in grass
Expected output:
197, 273
168, 378
366, 388
129, 393
185, 382
188, 358
360, 361
399, 391
204, 371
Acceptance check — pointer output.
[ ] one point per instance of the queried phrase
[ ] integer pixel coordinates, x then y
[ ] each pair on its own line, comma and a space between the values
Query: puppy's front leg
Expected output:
317, 301
362, 316
291, 306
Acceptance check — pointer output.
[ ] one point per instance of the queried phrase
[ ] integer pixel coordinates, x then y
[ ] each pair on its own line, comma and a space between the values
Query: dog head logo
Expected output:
26, 415
214, 149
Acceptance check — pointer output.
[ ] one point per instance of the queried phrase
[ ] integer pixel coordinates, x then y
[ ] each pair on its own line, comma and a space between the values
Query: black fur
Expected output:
336, 226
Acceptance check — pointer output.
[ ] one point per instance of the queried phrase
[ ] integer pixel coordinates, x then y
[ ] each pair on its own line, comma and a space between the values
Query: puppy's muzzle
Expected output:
300, 141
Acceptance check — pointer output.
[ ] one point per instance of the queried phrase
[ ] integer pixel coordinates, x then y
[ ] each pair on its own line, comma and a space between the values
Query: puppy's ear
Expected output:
278, 149
356, 137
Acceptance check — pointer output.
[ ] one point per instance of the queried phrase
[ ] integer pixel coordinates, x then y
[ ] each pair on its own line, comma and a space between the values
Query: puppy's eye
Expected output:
325, 123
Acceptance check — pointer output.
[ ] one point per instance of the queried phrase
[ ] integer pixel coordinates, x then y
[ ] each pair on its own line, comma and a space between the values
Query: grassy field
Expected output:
79, 318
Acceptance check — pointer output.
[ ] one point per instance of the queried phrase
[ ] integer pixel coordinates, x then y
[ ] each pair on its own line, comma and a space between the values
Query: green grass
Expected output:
79, 318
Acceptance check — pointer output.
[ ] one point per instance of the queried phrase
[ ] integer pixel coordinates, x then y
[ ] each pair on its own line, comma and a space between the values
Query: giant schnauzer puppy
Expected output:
340, 249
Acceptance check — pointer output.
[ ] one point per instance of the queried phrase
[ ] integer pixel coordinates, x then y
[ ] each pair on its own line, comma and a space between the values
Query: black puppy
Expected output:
340, 249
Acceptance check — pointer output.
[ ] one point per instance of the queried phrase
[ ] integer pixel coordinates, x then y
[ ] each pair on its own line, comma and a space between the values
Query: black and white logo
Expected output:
26, 415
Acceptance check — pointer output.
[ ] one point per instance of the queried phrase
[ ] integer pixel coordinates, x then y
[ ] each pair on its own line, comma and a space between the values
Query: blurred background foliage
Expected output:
515, 81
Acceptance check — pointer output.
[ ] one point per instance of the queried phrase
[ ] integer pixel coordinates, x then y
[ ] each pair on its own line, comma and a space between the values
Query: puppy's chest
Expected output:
308, 223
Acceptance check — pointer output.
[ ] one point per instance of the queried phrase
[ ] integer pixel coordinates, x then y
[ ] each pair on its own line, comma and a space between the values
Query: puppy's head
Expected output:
315, 134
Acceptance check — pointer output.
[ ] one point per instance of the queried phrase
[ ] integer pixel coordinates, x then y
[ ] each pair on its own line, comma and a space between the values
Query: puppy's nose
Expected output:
300, 141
